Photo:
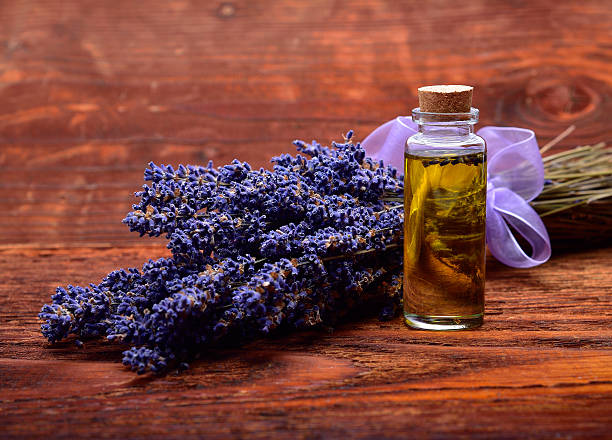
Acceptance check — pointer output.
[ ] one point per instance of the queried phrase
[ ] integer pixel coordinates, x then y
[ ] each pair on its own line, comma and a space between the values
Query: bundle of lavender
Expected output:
256, 251
576, 202
253, 251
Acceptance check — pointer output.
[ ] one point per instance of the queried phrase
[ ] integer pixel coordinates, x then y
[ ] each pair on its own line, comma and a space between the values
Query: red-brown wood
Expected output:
91, 91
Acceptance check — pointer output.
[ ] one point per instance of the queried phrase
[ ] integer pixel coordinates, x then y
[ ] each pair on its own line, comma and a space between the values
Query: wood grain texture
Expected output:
538, 368
91, 91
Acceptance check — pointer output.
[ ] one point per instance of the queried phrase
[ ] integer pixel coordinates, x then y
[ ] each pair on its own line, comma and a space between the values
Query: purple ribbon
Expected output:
515, 176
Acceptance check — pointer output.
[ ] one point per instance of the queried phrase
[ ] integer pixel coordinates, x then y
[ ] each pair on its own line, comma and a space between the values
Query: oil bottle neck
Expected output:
454, 131
445, 125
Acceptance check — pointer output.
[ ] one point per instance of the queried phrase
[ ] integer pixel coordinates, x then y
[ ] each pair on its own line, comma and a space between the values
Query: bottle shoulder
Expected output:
421, 141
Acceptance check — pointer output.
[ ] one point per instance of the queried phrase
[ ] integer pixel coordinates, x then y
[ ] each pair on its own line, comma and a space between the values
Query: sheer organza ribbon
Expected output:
515, 176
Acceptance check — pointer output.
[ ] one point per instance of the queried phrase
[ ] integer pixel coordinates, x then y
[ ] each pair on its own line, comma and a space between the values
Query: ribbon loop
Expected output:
505, 208
514, 160
387, 141
515, 176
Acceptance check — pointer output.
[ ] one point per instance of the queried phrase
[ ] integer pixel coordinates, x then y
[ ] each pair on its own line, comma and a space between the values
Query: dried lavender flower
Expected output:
253, 251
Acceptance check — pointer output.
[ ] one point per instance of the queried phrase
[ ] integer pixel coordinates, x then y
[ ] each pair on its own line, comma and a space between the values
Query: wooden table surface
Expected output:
91, 91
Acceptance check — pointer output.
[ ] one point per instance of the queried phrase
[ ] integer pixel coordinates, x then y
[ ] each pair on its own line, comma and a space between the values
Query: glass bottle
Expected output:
444, 223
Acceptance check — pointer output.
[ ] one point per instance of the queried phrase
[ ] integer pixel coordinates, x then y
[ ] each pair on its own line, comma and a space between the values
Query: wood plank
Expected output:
85, 81
539, 366
77, 99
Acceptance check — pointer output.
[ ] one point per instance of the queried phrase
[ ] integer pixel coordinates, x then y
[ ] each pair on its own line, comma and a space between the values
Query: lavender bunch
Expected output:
253, 251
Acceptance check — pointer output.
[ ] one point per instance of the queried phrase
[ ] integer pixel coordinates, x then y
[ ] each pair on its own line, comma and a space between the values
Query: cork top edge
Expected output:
454, 88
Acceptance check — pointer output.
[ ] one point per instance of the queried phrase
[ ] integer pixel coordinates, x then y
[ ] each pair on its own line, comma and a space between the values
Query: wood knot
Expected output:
226, 10
562, 99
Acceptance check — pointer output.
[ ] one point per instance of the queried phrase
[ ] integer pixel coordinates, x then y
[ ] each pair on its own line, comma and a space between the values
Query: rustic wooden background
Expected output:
90, 91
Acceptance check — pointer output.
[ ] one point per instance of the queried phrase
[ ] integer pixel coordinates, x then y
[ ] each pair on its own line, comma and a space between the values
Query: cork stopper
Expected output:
445, 99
